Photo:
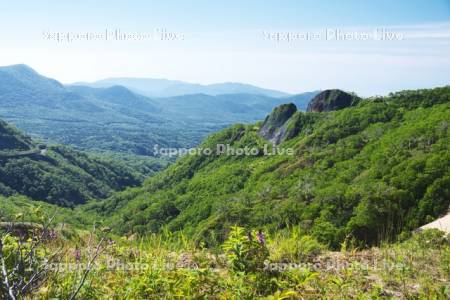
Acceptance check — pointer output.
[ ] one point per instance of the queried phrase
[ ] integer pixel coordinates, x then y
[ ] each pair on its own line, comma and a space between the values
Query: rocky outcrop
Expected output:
330, 100
286, 122
275, 125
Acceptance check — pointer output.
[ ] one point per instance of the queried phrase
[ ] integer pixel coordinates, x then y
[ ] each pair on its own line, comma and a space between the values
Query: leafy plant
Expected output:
245, 253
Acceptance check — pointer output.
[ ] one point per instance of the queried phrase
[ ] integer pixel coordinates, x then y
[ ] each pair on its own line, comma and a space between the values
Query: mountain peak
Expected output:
18, 69
329, 100
119, 89
274, 127
25, 75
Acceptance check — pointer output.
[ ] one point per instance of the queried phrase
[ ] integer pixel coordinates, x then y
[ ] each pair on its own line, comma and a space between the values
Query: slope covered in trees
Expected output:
114, 118
370, 171
58, 174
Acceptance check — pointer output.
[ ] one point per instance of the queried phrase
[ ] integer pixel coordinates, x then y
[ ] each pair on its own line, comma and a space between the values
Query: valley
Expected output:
114, 118
281, 205
225, 150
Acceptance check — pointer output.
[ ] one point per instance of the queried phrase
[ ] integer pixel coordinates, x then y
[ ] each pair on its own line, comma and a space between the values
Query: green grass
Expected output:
171, 266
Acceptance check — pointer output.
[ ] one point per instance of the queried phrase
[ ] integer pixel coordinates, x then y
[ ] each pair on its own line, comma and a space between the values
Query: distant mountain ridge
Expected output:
94, 119
118, 119
171, 88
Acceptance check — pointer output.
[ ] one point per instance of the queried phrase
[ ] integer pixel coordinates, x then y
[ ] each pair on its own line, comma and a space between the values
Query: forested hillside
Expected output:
310, 205
105, 119
115, 119
58, 174
370, 171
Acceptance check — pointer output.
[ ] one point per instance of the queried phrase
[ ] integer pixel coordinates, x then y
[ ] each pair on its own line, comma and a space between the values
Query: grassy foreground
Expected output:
249, 265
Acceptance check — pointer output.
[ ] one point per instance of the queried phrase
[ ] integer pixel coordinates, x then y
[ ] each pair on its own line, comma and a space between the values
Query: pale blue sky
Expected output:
224, 41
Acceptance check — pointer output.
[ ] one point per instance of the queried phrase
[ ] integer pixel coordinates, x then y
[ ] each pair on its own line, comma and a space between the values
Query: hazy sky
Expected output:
229, 41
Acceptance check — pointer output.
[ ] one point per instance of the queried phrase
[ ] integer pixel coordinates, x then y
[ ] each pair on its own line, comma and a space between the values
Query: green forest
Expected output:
326, 208
61, 175
374, 171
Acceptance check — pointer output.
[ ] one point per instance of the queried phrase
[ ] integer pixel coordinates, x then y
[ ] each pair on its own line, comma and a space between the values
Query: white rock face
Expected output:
441, 224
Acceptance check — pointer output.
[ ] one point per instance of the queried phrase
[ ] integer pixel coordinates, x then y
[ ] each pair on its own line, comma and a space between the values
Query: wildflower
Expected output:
261, 238
52, 234
77, 254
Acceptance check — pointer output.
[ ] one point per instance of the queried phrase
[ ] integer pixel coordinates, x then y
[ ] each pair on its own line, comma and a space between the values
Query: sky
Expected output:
369, 47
